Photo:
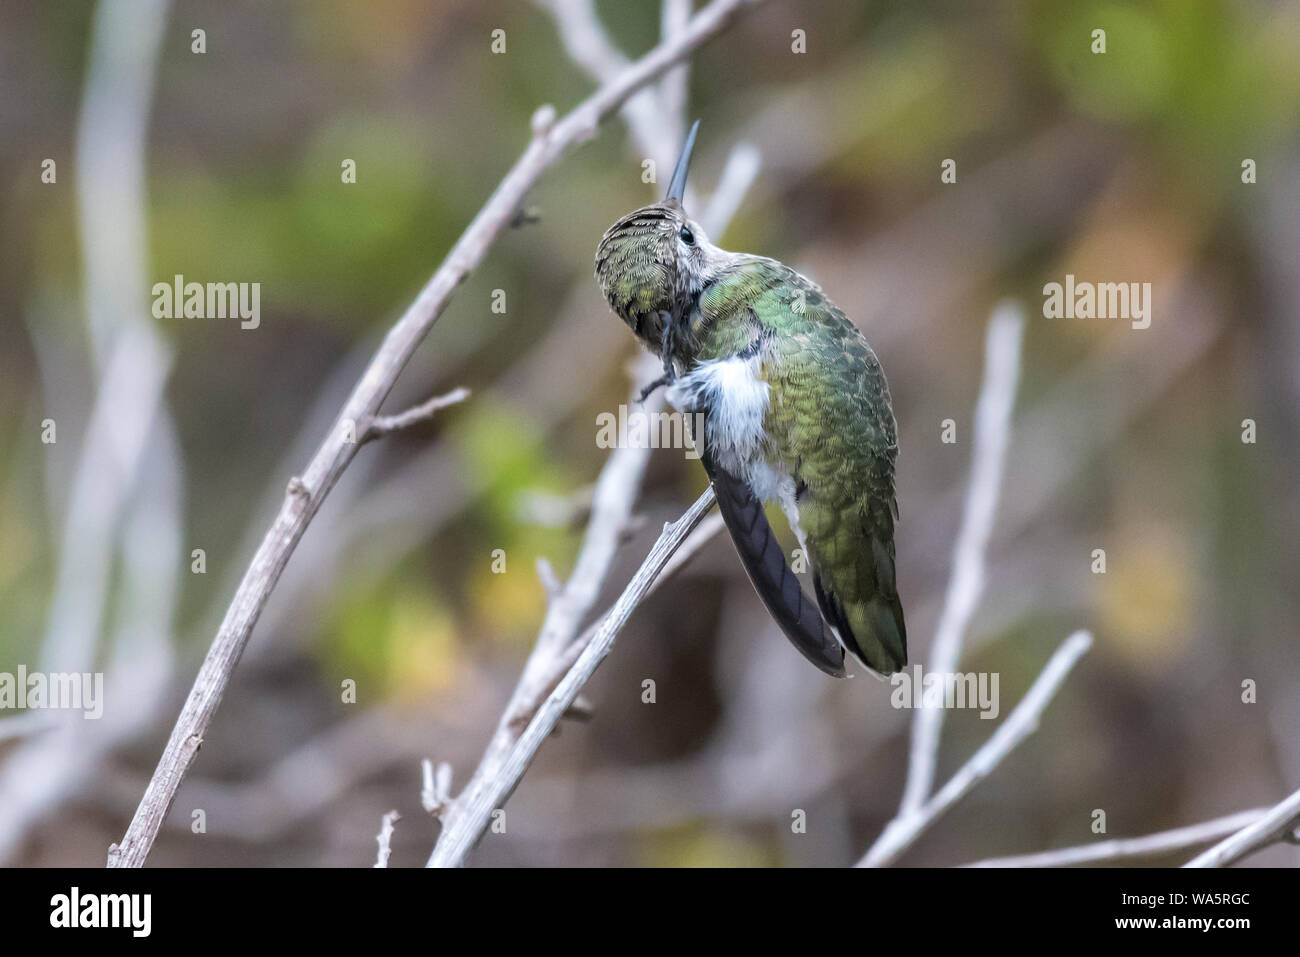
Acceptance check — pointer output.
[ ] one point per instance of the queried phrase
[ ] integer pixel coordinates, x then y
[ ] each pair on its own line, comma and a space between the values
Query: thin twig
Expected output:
379, 426
1120, 848
612, 501
475, 808
551, 583
988, 457
902, 832
385, 838
569, 604
521, 712
653, 123
1279, 824
435, 793
550, 139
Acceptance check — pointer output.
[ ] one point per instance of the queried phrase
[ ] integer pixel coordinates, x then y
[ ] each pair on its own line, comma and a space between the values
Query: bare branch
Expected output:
474, 808
707, 531
1125, 847
550, 139
435, 793
611, 509
652, 125
385, 838
550, 581
585, 40
522, 710
569, 604
1279, 824
378, 426
655, 118
989, 451
902, 832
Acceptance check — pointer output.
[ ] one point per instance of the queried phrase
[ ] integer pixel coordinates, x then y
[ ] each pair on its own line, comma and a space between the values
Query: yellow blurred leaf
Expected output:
1147, 595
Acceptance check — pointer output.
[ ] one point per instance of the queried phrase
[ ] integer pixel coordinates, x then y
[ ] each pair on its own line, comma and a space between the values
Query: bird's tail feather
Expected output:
872, 629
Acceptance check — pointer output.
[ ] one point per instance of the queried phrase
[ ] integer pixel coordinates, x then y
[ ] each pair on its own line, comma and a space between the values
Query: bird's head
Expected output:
654, 260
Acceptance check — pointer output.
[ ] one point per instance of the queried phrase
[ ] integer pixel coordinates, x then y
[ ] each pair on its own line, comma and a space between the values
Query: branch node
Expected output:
543, 121
377, 426
550, 581
435, 794
385, 838
526, 216
581, 710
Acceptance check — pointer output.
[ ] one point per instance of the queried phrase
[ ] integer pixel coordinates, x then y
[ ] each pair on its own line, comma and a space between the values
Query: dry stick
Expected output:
612, 501
385, 838
435, 792
616, 491
522, 710
654, 125
991, 437
380, 425
1148, 845
476, 808
902, 832
1279, 824
306, 493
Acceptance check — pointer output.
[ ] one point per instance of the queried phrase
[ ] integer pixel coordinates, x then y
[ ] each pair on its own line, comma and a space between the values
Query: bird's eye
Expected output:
687, 236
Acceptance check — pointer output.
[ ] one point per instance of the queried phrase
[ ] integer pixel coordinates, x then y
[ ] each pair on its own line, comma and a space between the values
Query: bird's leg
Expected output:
666, 353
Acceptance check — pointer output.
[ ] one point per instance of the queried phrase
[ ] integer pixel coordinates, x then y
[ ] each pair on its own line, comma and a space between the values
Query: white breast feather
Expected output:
737, 400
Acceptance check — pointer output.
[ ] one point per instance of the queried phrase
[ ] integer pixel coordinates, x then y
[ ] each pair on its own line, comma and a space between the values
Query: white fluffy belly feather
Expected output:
737, 401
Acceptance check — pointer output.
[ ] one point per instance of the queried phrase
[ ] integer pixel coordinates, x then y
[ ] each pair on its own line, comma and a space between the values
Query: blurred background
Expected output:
175, 435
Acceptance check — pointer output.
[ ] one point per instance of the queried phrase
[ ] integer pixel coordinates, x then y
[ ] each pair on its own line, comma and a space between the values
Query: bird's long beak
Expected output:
677, 186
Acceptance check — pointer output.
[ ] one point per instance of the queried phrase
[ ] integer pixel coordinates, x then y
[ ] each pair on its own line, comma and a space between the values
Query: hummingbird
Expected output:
796, 412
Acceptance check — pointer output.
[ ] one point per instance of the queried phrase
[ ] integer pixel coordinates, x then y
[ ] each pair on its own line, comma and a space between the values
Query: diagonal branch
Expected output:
568, 604
524, 706
1120, 848
988, 458
550, 139
476, 806
1279, 824
903, 831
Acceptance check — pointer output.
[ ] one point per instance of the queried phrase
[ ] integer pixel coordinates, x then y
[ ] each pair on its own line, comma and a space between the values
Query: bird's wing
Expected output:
771, 575
831, 422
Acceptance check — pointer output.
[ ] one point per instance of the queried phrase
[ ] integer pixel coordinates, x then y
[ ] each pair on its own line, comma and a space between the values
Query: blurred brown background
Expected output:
1125, 166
